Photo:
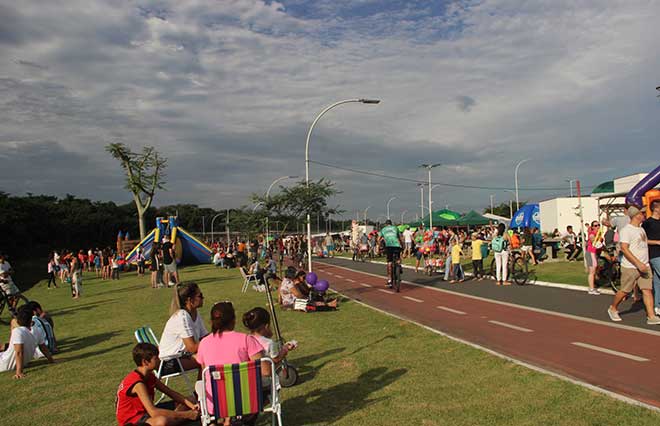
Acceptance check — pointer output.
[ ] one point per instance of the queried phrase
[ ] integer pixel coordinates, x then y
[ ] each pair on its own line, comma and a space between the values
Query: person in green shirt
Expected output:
392, 237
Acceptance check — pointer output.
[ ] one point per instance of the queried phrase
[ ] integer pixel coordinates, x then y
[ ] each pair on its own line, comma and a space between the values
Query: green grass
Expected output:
358, 367
556, 271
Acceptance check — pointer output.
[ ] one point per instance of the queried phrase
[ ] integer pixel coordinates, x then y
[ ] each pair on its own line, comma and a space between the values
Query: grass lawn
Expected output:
358, 367
557, 271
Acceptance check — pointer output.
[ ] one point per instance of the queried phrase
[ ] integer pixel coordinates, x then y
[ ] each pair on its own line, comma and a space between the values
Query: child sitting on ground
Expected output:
22, 345
135, 396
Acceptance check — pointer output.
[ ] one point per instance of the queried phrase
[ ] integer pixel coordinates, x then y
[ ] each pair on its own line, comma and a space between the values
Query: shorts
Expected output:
526, 248
631, 277
142, 421
591, 259
408, 245
419, 254
391, 251
331, 247
171, 366
170, 267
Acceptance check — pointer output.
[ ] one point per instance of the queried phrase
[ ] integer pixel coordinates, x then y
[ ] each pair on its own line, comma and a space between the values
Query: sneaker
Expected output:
653, 321
614, 315
594, 292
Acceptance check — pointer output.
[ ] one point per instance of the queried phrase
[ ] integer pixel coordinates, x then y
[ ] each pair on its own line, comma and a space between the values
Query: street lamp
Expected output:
309, 135
570, 184
421, 197
428, 167
268, 198
257, 205
516, 179
492, 197
388, 206
365, 219
402, 214
213, 220
510, 202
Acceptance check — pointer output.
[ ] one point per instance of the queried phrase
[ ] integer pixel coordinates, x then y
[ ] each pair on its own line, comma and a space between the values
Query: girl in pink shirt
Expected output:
226, 346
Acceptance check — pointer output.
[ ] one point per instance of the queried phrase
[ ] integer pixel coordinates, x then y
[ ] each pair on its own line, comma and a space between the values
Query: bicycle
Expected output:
11, 302
517, 267
396, 272
608, 270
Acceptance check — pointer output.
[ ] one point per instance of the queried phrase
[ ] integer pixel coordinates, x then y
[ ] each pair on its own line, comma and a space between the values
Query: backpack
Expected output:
484, 251
498, 244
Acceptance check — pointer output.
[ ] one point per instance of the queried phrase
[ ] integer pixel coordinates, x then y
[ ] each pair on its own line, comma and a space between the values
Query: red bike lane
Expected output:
621, 360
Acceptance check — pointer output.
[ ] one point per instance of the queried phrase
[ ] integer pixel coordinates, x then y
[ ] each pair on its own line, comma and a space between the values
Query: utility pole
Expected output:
491, 203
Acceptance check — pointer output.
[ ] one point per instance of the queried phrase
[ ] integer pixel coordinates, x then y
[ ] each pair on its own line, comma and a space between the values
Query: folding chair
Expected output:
237, 390
146, 335
247, 279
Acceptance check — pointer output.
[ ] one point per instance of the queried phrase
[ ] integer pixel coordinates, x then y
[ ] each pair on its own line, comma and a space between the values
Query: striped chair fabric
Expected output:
146, 335
236, 389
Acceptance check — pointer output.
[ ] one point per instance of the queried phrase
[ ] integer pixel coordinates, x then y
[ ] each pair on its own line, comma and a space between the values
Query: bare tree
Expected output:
144, 175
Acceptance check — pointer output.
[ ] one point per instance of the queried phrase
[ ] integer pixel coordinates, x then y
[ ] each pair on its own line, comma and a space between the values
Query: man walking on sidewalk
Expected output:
652, 228
635, 269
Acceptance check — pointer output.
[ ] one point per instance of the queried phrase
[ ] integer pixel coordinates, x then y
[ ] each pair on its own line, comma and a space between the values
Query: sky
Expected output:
227, 91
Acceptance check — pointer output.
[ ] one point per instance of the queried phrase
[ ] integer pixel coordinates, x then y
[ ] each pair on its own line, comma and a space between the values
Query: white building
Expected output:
560, 212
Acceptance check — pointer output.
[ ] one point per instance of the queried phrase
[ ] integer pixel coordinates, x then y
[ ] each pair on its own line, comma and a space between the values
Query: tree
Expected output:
144, 175
295, 202
503, 209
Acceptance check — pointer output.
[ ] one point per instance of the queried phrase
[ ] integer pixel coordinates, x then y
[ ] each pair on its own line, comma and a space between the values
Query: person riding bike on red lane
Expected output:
393, 244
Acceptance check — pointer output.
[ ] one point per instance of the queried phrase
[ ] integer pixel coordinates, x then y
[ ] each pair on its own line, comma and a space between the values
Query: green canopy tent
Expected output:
473, 218
442, 217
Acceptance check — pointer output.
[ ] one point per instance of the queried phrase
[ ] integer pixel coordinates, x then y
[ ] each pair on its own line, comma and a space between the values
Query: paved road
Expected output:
563, 331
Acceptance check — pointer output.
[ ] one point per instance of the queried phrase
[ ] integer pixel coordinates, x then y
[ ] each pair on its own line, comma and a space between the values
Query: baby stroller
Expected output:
287, 373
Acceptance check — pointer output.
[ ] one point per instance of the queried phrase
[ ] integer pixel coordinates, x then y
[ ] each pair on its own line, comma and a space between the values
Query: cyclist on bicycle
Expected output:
392, 237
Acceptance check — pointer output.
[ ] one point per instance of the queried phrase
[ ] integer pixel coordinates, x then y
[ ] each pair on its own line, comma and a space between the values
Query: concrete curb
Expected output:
539, 283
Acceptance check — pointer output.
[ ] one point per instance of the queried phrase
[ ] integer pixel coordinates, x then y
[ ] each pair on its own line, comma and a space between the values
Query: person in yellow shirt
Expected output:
456, 253
477, 258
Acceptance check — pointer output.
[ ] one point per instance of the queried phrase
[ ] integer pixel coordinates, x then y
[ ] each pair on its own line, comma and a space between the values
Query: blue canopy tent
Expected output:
529, 216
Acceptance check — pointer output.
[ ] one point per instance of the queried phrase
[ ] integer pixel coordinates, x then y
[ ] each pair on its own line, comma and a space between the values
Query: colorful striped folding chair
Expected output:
237, 390
146, 335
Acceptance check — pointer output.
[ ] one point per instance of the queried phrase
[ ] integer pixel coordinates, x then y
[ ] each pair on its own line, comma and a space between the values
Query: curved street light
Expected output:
521, 162
365, 218
213, 220
309, 135
279, 179
403, 214
388, 206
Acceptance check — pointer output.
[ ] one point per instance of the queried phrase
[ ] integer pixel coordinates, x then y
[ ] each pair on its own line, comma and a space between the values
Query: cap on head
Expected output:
388, 222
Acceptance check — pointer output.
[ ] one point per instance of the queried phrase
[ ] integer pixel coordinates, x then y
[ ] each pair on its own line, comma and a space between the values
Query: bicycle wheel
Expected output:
519, 270
20, 300
396, 272
288, 375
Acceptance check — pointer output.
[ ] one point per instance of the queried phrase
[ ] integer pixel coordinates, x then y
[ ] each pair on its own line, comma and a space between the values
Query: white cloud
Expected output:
233, 82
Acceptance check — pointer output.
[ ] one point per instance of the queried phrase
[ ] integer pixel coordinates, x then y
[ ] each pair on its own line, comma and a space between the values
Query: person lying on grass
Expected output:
226, 346
22, 345
184, 329
135, 395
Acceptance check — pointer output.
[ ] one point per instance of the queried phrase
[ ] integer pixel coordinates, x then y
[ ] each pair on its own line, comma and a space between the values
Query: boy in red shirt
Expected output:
135, 396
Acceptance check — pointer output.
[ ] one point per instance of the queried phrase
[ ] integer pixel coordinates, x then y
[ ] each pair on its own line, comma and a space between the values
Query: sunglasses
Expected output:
596, 225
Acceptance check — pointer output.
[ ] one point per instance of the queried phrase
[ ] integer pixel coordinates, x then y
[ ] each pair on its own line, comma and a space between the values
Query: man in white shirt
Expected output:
635, 269
22, 345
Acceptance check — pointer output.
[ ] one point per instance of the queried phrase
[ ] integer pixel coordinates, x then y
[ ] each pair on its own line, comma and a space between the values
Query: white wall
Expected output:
561, 212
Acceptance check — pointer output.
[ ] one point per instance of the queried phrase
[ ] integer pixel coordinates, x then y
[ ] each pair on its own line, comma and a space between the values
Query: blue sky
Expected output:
227, 91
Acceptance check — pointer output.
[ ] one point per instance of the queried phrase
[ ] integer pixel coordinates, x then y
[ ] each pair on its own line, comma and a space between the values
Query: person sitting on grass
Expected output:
318, 300
226, 346
289, 291
43, 324
183, 330
135, 395
22, 345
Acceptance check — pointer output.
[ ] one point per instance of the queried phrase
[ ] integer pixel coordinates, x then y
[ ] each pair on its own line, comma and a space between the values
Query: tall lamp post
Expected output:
365, 219
279, 179
492, 197
309, 135
213, 220
403, 213
516, 179
510, 203
388, 206
421, 199
570, 184
428, 167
